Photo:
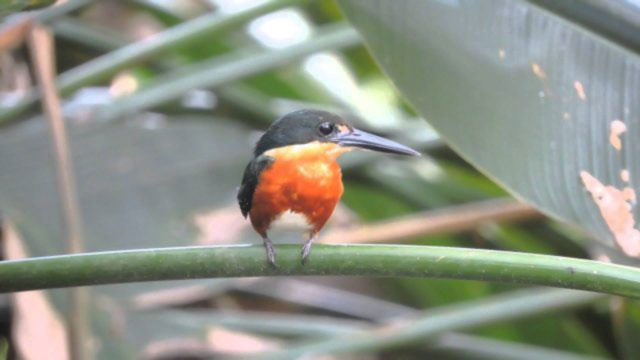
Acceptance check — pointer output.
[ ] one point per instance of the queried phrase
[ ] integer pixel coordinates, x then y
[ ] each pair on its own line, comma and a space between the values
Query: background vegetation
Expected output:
162, 102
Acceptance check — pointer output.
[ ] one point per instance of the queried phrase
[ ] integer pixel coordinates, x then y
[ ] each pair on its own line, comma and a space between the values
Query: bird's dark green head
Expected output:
308, 126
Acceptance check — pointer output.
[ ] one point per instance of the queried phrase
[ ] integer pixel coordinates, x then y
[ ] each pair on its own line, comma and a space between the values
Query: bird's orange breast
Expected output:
304, 179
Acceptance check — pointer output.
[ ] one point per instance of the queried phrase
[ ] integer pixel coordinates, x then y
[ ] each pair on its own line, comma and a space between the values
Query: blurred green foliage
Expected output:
10, 6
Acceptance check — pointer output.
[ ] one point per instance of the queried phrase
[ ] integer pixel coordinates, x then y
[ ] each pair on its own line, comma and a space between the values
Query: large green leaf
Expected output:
526, 94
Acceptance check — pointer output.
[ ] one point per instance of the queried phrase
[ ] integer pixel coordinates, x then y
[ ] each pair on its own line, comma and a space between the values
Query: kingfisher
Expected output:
295, 169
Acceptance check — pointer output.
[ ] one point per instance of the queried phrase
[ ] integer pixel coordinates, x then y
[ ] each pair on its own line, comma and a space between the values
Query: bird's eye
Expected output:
326, 128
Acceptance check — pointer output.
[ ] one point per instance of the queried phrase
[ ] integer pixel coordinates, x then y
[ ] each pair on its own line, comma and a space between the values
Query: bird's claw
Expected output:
271, 253
306, 249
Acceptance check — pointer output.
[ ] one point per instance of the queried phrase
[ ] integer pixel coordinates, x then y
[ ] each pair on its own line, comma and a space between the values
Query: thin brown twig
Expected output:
37, 327
14, 34
456, 218
42, 54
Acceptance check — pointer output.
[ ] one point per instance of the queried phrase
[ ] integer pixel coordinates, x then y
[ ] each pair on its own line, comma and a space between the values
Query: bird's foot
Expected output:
306, 248
271, 253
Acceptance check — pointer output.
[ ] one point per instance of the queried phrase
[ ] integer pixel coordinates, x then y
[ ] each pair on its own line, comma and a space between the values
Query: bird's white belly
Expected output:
291, 221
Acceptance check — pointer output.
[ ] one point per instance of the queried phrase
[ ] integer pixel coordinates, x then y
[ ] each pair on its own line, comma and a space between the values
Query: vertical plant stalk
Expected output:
42, 53
32, 309
14, 34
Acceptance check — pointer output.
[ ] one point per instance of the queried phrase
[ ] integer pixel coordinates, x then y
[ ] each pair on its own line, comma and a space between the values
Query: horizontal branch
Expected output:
354, 260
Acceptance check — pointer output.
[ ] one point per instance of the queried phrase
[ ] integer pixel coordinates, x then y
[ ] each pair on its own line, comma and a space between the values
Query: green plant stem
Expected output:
100, 68
475, 347
360, 260
99, 38
320, 327
11, 6
509, 306
54, 12
225, 69
241, 95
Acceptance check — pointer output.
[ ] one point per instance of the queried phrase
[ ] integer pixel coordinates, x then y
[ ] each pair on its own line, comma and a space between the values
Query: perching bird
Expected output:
295, 169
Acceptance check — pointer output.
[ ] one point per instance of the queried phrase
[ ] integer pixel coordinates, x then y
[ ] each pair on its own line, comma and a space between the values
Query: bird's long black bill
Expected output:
369, 141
